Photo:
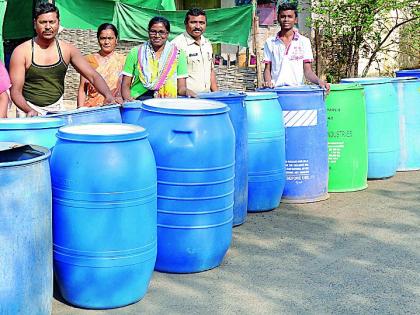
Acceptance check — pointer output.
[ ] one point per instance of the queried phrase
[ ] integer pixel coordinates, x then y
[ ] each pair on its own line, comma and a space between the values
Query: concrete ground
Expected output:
356, 253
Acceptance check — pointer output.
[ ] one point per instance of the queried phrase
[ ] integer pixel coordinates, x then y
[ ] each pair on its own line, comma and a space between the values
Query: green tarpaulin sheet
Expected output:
80, 14
89, 14
18, 19
228, 25
85, 15
2, 11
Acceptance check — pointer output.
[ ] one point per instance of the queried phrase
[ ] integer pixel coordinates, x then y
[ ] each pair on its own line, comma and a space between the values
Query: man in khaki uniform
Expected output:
201, 76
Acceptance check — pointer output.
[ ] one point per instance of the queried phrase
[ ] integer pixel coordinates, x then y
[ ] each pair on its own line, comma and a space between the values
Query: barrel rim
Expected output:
85, 133
30, 123
405, 79
260, 95
84, 110
46, 154
132, 105
294, 88
367, 80
152, 105
221, 95
408, 70
345, 86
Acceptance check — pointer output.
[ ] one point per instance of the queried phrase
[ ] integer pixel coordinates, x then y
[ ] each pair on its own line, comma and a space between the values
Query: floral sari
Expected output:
110, 69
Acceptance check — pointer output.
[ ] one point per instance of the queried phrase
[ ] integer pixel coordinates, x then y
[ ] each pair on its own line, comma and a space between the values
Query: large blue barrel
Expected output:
382, 125
91, 115
194, 145
408, 96
130, 112
38, 131
408, 73
266, 151
306, 143
237, 114
26, 280
104, 205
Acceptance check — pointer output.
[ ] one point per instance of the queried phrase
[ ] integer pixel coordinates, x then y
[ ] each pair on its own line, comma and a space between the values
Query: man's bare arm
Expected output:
213, 81
83, 67
267, 75
312, 77
81, 94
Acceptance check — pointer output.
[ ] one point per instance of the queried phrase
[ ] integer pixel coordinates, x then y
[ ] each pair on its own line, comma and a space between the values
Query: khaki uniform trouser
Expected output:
42, 111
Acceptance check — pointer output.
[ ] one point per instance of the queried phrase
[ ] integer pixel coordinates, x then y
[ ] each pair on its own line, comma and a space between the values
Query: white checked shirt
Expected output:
287, 62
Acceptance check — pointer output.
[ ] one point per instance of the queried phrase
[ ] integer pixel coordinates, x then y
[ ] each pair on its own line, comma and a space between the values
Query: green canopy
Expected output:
18, 20
228, 25
225, 25
85, 15
80, 14
3, 5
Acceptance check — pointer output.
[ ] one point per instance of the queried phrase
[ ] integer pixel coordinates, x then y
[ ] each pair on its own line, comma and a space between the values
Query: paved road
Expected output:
357, 253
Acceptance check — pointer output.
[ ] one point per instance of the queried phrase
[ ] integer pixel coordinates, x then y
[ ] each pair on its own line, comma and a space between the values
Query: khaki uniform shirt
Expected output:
199, 61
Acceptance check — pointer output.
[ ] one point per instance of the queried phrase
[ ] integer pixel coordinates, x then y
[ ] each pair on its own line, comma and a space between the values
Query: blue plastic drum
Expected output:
26, 278
382, 126
91, 115
408, 96
38, 131
104, 214
194, 146
305, 121
408, 73
130, 112
266, 151
237, 114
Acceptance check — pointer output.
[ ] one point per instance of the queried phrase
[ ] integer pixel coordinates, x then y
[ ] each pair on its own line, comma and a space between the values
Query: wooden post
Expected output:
255, 23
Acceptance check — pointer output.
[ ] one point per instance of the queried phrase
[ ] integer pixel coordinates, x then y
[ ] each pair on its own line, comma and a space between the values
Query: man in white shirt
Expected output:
288, 55
201, 75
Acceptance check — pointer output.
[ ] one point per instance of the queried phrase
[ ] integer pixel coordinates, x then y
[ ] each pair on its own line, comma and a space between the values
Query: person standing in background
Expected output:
201, 75
38, 67
156, 68
108, 63
288, 55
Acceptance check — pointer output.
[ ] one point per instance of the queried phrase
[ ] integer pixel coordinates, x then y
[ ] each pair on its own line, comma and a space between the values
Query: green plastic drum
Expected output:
347, 138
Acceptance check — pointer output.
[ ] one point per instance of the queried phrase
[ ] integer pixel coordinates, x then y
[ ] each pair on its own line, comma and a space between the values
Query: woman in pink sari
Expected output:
4, 86
107, 63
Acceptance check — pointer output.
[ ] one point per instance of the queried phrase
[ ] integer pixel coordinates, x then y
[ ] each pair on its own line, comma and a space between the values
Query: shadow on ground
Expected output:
356, 253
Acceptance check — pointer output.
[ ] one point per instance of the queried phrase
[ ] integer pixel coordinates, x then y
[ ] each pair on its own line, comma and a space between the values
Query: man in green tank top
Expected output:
38, 67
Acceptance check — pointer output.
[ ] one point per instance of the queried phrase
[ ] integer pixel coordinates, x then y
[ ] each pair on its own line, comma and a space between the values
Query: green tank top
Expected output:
44, 85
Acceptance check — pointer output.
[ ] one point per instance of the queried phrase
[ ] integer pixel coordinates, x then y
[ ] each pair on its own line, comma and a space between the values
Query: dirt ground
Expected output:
356, 253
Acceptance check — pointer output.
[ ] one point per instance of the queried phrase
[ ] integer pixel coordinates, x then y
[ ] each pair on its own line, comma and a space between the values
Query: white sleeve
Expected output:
307, 51
268, 53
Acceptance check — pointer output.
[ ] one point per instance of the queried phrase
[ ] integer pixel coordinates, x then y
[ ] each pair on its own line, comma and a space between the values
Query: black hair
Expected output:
159, 19
288, 6
194, 12
107, 26
45, 7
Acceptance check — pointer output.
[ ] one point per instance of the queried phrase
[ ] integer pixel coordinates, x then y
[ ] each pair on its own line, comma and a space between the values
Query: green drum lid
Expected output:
345, 86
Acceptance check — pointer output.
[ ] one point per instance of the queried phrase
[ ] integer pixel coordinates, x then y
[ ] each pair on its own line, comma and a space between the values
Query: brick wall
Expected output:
229, 78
